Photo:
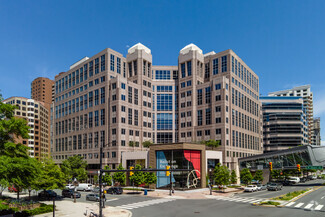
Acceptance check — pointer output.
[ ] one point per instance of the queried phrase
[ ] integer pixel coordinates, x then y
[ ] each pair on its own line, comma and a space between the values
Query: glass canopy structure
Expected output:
306, 156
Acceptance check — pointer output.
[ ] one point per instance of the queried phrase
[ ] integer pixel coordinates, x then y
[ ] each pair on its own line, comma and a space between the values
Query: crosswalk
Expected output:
310, 206
146, 203
237, 199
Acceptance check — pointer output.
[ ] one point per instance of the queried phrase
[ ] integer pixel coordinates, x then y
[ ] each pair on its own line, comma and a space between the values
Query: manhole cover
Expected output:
196, 212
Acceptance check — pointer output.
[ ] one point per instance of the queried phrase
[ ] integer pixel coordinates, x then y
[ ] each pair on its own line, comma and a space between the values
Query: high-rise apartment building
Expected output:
36, 115
284, 122
120, 102
304, 92
316, 131
42, 90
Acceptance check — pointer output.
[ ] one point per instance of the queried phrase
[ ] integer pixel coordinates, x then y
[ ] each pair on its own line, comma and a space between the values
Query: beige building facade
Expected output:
120, 102
36, 114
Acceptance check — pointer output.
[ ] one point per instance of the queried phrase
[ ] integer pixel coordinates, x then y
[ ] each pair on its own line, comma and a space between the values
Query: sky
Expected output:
283, 42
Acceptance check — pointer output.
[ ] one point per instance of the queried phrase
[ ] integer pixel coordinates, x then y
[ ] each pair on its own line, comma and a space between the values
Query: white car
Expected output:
69, 186
250, 188
294, 180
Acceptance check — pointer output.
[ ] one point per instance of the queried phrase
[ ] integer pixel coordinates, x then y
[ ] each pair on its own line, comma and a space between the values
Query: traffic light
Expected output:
167, 172
131, 173
298, 167
270, 166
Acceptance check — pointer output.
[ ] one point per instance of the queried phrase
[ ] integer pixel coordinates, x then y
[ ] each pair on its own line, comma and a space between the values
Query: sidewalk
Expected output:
70, 209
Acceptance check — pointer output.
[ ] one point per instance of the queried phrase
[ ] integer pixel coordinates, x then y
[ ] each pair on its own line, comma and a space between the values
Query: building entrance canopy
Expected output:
307, 156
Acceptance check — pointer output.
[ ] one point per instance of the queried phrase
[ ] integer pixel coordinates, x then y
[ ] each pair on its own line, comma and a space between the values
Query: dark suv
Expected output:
115, 190
70, 193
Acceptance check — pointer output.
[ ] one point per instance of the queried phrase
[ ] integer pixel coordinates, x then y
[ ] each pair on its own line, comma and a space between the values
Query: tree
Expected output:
233, 177
211, 143
96, 179
131, 143
150, 178
120, 176
246, 176
107, 178
50, 177
221, 175
138, 177
147, 144
74, 167
3, 176
259, 176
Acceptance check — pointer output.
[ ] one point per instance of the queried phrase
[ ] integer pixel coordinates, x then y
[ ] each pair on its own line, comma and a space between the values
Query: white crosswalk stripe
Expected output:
309, 206
237, 199
319, 207
299, 205
145, 203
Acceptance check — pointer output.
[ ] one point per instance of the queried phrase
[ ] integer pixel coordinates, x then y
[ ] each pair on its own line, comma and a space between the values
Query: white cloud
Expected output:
319, 105
322, 143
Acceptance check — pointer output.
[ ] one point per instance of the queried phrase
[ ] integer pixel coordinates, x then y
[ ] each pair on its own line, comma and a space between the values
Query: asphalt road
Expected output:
286, 189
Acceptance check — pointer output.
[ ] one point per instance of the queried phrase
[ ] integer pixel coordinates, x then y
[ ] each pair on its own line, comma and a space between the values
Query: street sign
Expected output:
314, 167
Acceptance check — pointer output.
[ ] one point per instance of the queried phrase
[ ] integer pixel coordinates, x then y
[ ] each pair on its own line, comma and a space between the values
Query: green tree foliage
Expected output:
211, 143
246, 176
50, 177
138, 177
107, 178
221, 175
150, 178
233, 177
131, 143
120, 176
74, 167
147, 144
96, 179
259, 176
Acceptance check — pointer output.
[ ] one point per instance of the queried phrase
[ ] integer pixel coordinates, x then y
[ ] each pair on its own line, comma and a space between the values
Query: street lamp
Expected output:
75, 183
210, 171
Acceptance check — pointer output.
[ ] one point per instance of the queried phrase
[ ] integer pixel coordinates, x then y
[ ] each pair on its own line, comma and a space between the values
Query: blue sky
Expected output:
282, 41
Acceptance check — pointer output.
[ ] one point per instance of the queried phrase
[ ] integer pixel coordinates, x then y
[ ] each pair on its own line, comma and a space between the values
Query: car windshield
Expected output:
273, 184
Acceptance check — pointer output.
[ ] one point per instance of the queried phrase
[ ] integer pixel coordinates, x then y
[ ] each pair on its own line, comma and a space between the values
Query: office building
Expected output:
304, 92
284, 122
42, 90
316, 131
36, 115
120, 102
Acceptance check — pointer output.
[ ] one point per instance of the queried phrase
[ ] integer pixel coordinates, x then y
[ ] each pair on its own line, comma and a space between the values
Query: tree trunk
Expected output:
17, 193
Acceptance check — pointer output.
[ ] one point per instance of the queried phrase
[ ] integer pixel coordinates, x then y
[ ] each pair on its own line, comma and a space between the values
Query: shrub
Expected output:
42, 209
270, 203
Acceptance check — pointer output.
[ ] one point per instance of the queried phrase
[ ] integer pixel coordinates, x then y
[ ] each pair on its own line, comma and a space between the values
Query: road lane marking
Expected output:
319, 207
299, 205
322, 197
111, 200
309, 206
291, 203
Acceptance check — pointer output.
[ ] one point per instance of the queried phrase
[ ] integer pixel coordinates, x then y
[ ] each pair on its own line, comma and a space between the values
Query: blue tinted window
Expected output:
164, 102
162, 75
164, 121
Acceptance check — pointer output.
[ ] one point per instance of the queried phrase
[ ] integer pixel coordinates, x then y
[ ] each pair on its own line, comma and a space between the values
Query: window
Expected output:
102, 95
208, 116
224, 63
123, 86
123, 97
183, 70
207, 132
218, 131
102, 63
130, 116
215, 66
189, 68
207, 71
164, 102
199, 118
218, 97
162, 75
199, 97
207, 95
130, 94
189, 83
218, 108
182, 84
118, 65
112, 62
96, 66
164, 121
218, 86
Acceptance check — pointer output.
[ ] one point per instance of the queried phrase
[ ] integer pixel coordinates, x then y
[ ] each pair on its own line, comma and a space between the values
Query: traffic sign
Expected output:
314, 167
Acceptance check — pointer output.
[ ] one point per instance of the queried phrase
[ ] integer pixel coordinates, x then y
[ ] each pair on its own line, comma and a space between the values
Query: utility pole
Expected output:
100, 181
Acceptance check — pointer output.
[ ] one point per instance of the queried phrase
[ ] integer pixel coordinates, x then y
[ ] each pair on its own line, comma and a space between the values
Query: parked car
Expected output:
274, 187
303, 179
69, 186
85, 187
261, 187
47, 194
115, 190
70, 193
312, 177
250, 188
93, 197
96, 190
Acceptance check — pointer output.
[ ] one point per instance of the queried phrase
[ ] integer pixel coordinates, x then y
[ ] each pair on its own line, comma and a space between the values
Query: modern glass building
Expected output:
307, 155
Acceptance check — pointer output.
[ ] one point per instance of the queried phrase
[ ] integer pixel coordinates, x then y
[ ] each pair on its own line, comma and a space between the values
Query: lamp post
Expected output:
210, 170
75, 183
